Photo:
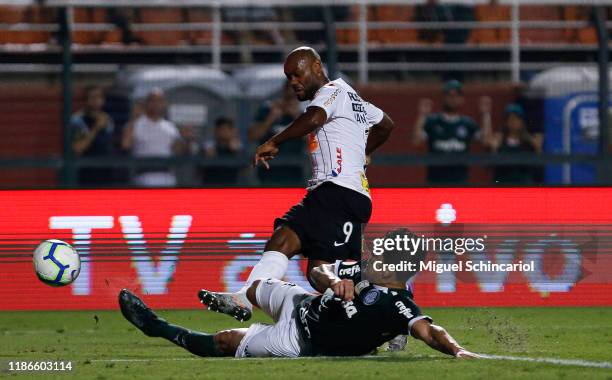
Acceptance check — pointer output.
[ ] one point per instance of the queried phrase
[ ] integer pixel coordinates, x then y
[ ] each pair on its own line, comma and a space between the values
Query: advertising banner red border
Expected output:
167, 244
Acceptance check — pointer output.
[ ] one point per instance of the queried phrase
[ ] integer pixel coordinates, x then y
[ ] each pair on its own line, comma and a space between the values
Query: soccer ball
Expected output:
56, 263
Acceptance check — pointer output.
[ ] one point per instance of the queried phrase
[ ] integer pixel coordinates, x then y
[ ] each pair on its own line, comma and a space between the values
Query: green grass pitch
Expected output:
112, 349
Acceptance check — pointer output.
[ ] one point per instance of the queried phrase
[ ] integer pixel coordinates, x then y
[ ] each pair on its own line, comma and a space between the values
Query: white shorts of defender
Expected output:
278, 300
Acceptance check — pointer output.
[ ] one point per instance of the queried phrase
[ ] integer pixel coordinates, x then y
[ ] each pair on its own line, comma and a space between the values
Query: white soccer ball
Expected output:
56, 263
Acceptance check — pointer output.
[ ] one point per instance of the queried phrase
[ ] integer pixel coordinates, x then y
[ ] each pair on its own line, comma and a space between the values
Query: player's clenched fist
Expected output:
264, 153
344, 289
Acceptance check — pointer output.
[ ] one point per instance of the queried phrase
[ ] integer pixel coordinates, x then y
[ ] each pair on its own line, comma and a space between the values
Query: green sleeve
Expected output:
428, 127
473, 127
262, 113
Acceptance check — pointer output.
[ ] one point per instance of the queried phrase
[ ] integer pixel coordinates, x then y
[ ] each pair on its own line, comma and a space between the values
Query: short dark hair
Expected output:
453, 84
223, 120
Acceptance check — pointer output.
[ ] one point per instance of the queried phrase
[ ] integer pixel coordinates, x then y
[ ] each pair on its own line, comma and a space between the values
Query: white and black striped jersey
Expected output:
337, 148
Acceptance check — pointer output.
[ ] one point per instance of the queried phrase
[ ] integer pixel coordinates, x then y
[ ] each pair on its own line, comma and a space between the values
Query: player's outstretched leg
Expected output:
141, 316
227, 303
283, 244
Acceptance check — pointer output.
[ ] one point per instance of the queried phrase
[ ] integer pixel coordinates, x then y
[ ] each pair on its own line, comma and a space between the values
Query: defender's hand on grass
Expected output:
265, 153
465, 354
344, 289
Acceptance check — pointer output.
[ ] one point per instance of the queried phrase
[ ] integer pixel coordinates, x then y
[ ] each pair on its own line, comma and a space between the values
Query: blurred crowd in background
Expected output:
148, 133
207, 134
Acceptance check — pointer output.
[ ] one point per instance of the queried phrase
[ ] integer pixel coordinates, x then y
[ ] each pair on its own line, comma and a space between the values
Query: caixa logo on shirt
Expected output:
335, 172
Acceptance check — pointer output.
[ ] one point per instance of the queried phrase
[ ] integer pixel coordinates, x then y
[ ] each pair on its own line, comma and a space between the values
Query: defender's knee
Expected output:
251, 292
227, 341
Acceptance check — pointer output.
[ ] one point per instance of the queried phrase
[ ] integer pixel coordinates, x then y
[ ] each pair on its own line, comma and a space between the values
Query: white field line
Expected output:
571, 362
230, 358
555, 361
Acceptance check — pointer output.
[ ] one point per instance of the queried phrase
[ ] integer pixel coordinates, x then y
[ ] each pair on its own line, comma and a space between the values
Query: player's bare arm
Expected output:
323, 278
379, 133
313, 118
83, 140
425, 108
439, 339
485, 105
259, 130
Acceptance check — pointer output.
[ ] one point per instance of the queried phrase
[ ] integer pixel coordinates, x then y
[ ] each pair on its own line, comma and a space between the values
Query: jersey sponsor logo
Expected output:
360, 118
350, 271
313, 144
338, 170
332, 98
462, 132
354, 97
336, 244
364, 182
325, 298
358, 107
349, 308
370, 297
359, 111
303, 312
451, 145
404, 310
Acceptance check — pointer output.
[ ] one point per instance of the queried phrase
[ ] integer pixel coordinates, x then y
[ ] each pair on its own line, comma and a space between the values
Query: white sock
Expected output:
273, 264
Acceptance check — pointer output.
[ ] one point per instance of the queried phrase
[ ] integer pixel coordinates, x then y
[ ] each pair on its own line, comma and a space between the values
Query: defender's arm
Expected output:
439, 339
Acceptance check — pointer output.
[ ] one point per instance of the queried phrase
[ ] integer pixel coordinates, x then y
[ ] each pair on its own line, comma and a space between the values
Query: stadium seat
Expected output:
395, 13
585, 35
162, 16
349, 36
29, 15
491, 13
540, 35
88, 16
199, 37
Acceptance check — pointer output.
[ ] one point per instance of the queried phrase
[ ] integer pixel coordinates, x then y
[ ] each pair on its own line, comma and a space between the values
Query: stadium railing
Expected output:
358, 61
512, 56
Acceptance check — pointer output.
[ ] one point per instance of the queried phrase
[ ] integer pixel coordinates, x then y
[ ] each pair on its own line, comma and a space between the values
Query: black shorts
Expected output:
329, 222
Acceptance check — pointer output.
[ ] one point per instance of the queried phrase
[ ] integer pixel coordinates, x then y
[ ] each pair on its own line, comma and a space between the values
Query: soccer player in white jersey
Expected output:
343, 131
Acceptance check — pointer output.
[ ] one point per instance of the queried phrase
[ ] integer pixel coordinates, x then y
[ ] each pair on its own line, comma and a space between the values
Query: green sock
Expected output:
197, 343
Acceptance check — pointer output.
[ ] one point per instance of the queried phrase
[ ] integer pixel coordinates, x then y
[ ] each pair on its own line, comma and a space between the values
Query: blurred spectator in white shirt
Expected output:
151, 135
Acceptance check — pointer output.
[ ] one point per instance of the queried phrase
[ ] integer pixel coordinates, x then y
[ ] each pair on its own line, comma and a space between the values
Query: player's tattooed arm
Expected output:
313, 118
439, 339
324, 278
379, 133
